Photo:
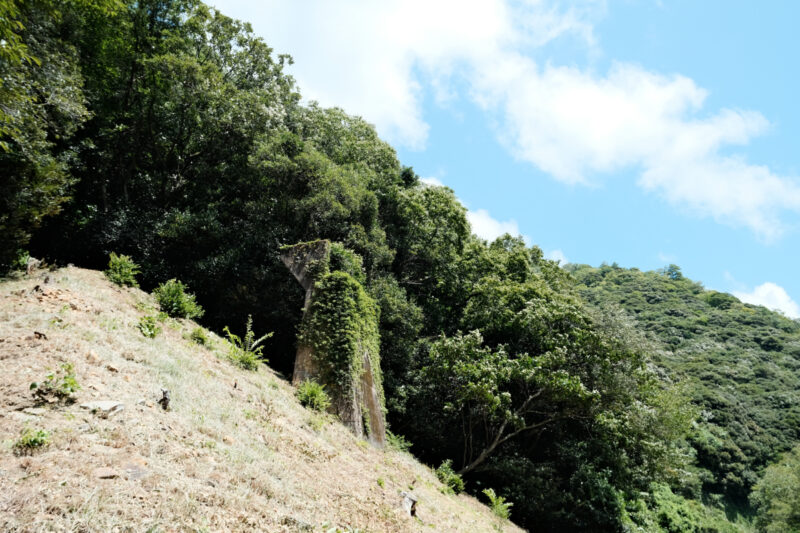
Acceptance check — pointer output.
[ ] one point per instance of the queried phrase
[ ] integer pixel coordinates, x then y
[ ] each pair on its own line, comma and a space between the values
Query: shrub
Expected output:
448, 476
57, 386
246, 352
175, 301
30, 440
198, 336
122, 270
312, 395
398, 442
149, 327
498, 504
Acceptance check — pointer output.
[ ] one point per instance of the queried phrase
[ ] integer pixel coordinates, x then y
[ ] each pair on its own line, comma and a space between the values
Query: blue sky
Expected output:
640, 132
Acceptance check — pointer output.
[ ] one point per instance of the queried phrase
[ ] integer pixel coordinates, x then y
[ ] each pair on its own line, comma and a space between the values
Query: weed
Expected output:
448, 476
122, 270
498, 504
397, 442
173, 300
144, 306
316, 422
57, 386
30, 440
381, 483
312, 395
198, 336
149, 327
246, 352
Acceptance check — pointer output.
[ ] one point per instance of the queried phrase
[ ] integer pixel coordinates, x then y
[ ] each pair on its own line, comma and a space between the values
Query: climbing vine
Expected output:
341, 326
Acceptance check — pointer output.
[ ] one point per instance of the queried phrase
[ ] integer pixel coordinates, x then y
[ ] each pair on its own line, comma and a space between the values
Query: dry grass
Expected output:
235, 452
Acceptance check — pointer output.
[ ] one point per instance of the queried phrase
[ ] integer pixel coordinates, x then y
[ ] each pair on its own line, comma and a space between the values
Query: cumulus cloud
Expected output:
489, 228
557, 255
577, 125
434, 182
771, 296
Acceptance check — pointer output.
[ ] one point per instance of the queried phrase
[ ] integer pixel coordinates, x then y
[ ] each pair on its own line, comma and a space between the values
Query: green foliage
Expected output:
663, 511
498, 504
30, 440
397, 442
198, 336
776, 496
173, 299
246, 352
59, 385
341, 327
312, 395
122, 270
200, 161
449, 477
148, 326
345, 260
738, 363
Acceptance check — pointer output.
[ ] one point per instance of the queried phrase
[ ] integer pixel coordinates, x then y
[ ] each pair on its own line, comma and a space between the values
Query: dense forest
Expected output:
598, 399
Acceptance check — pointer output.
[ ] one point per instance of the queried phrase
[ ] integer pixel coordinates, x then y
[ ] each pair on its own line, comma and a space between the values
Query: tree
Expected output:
42, 105
777, 495
495, 397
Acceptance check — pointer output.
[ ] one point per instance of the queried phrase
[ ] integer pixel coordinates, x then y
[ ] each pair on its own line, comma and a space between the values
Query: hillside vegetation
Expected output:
235, 451
166, 138
739, 363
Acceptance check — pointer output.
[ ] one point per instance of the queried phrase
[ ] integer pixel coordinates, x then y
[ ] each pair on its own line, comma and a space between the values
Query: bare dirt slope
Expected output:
234, 452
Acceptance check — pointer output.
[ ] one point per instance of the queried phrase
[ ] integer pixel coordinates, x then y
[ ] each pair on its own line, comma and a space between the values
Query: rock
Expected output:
32, 265
165, 399
112, 368
35, 411
135, 470
409, 503
298, 525
105, 473
227, 440
104, 408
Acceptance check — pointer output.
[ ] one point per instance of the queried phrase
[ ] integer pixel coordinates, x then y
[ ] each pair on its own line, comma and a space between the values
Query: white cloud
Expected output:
482, 223
374, 58
557, 255
486, 227
436, 182
771, 296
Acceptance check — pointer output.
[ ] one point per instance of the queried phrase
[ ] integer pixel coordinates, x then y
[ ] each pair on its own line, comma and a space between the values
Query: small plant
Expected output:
198, 336
30, 440
122, 270
398, 442
312, 395
173, 300
498, 504
57, 386
381, 483
448, 476
149, 327
246, 352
